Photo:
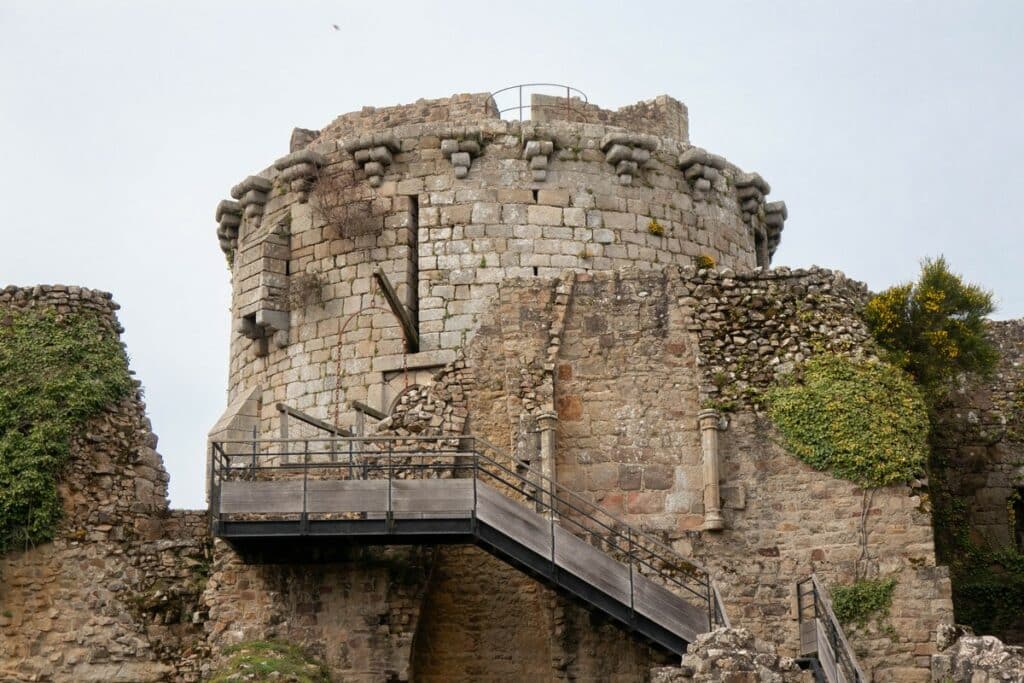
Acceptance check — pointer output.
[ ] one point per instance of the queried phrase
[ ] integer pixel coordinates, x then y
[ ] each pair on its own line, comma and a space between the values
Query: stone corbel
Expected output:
229, 217
775, 215
702, 169
628, 152
709, 424
251, 194
299, 170
538, 153
751, 189
461, 152
374, 153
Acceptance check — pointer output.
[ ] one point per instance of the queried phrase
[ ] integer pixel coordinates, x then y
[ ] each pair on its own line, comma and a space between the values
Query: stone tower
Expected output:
591, 293
446, 200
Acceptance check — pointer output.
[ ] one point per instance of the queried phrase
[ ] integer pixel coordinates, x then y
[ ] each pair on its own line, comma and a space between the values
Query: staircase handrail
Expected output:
822, 603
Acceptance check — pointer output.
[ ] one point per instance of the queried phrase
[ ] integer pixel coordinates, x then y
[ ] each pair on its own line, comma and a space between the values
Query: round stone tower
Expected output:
361, 260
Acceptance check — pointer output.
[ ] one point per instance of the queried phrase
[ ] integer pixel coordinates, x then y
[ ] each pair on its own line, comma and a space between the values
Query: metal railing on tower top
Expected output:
515, 100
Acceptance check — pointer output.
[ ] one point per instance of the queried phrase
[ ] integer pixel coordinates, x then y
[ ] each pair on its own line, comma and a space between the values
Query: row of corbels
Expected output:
374, 153
702, 169
628, 153
249, 197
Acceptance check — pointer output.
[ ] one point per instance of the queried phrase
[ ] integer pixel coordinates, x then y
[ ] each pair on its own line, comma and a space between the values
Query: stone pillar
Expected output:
548, 423
708, 420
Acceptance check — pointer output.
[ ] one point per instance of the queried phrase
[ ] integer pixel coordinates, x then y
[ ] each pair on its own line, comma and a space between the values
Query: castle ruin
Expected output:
431, 304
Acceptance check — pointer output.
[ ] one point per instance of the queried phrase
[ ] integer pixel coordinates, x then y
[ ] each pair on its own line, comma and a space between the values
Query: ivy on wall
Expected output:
864, 421
56, 372
856, 603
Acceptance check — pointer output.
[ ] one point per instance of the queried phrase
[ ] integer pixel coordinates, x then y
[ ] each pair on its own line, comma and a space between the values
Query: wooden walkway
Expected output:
460, 511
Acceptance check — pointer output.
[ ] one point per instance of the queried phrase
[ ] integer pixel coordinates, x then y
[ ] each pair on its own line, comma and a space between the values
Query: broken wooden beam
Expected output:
412, 336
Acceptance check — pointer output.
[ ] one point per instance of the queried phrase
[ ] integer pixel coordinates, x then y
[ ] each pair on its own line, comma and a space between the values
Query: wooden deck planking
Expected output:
827, 657
340, 495
664, 607
809, 637
271, 497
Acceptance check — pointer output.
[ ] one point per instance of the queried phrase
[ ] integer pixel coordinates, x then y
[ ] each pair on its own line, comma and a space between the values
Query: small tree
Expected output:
934, 328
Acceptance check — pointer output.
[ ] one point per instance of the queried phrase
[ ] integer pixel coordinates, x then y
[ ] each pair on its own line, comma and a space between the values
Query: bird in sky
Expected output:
336, 27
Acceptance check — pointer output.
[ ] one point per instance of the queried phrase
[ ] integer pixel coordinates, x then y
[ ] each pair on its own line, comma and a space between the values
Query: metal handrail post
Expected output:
711, 604
629, 557
255, 446
391, 464
476, 474
304, 521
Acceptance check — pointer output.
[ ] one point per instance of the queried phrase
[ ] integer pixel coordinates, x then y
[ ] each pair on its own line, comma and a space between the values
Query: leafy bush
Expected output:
857, 603
262, 660
862, 421
56, 372
934, 328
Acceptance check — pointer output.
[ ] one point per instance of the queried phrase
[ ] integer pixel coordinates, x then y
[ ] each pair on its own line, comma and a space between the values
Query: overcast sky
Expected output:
892, 130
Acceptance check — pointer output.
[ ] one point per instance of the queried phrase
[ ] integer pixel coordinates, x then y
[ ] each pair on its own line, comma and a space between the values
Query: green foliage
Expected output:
261, 660
862, 421
55, 373
857, 603
935, 327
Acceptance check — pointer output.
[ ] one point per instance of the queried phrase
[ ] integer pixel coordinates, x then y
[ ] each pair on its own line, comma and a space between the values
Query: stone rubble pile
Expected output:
732, 655
967, 658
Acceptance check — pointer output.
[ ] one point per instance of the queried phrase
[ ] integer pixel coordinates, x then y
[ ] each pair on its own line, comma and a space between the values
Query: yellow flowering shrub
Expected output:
934, 328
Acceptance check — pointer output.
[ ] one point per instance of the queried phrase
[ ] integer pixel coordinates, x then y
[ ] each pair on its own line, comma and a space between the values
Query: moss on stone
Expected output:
56, 372
864, 421
262, 660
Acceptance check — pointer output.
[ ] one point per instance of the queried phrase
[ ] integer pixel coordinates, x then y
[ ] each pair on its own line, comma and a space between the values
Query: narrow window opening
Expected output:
536, 194
535, 270
288, 267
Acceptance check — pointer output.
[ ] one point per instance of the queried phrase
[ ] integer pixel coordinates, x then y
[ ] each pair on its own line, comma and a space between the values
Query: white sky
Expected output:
893, 130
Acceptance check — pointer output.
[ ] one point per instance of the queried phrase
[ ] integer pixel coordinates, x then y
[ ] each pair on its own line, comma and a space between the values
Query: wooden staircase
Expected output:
443, 490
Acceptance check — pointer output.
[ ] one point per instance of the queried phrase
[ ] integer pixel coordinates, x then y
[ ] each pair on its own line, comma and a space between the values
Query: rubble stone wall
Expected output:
116, 596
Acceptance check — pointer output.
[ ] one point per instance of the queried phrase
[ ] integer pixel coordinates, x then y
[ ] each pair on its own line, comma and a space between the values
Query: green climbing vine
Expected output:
56, 372
864, 421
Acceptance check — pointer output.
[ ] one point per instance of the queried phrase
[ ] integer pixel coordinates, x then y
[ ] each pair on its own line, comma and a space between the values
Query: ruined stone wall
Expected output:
356, 610
784, 519
115, 597
982, 440
662, 115
978, 470
638, 356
